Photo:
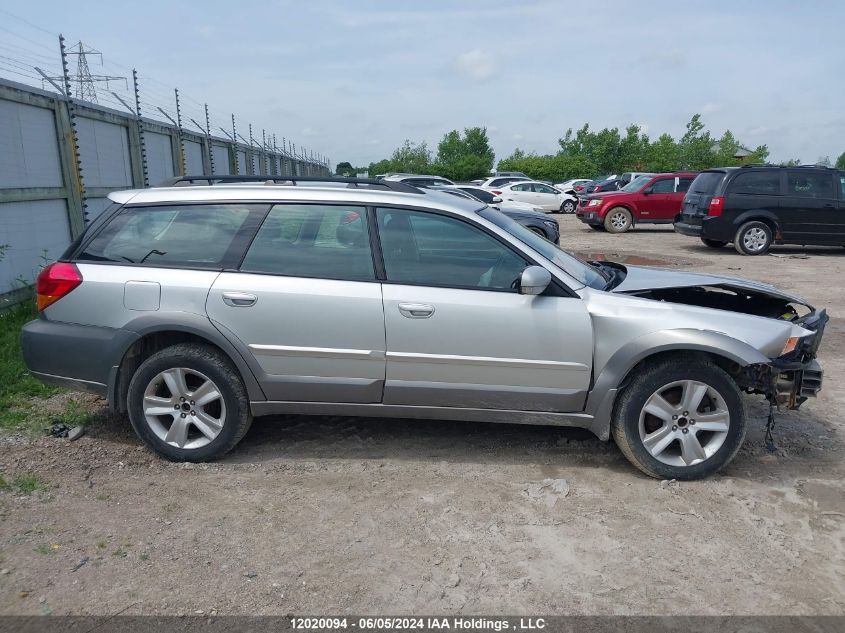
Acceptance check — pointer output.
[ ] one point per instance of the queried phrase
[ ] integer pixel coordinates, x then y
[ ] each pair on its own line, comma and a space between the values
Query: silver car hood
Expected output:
639, 279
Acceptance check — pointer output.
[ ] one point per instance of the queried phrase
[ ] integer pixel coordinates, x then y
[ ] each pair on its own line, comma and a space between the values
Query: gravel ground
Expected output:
352, 515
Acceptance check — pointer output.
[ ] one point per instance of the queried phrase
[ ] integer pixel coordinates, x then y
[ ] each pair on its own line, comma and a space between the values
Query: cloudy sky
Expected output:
354, 79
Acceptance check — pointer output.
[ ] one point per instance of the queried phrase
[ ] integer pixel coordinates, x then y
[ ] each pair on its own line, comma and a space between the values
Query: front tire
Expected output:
680, 418
753, 238
568, 206
618, 220
188, 403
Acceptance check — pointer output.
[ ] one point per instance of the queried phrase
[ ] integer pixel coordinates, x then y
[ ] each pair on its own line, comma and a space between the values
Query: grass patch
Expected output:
26, 484
17, 385
20, 391
43, 548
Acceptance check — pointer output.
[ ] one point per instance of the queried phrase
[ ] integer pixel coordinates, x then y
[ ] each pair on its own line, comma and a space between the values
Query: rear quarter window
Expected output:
756, 182
193, 236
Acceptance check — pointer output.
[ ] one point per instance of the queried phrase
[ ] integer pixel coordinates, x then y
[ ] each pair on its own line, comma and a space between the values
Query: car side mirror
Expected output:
496, 200
534, 280
648, 191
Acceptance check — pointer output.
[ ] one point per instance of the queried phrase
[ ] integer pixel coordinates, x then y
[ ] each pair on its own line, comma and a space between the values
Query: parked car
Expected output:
530, 217
755, 207
646, 200
194, 308
629, 176
419, 180
572, 184
500, 181
539, 194
608, 184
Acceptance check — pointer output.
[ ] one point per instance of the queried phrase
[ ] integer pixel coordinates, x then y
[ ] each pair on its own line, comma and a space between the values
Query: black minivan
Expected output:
755, 206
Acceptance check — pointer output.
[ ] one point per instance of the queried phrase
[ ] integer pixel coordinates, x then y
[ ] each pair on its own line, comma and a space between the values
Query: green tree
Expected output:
663, 154
726, 149
696, 146
840, 162
464, 158
381, 167
412, 158
345, 169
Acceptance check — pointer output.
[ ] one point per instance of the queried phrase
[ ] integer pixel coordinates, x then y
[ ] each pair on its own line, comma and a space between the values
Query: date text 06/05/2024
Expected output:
417, 623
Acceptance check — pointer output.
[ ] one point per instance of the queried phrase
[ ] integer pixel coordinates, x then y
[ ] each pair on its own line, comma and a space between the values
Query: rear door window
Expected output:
193, 236
756, 182
665, 185
313, 240
809, 184
684, 184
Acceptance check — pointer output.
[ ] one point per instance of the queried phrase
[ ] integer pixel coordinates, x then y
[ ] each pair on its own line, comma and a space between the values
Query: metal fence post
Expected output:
69, 148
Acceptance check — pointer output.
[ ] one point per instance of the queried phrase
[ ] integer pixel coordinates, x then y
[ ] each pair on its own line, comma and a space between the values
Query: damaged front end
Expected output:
788, 379
794, 376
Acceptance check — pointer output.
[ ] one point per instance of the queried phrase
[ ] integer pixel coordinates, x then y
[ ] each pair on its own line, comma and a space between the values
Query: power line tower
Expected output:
86, 89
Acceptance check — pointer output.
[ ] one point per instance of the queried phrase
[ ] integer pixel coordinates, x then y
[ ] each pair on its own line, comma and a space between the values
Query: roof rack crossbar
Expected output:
270, 180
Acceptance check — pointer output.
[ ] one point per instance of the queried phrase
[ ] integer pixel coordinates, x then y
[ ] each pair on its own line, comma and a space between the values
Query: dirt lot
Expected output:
329, 515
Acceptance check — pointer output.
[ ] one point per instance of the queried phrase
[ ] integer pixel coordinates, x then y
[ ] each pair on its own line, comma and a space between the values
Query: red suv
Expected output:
645, 200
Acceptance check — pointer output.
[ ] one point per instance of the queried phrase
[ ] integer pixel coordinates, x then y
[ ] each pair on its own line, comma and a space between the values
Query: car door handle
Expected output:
829, 205
239, 299
416, 310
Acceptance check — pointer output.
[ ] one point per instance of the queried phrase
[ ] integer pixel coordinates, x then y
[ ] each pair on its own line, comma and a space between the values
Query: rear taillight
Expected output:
717, 203
497, 193
55, 281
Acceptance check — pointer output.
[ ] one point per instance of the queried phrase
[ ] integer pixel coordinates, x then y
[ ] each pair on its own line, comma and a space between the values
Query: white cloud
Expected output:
710, 108
475, 64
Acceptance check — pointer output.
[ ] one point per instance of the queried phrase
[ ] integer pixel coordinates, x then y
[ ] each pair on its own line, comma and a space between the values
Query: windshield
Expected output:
580, 270
636, 184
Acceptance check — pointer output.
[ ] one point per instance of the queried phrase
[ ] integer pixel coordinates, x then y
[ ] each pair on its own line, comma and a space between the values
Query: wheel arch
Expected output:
725, 350
758, 215
156, 333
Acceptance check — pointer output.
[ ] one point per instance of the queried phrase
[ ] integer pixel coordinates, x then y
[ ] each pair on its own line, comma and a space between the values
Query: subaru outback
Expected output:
196, 306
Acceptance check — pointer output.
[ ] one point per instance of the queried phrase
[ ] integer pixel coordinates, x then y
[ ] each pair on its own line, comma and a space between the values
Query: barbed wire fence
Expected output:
30, 55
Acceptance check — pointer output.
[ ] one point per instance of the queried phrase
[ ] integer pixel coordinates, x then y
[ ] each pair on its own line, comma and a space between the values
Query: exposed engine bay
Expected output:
735, 299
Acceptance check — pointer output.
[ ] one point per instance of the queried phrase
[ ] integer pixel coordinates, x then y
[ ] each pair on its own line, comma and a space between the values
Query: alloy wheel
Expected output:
619, 220
684, 423
754, 239
184, 408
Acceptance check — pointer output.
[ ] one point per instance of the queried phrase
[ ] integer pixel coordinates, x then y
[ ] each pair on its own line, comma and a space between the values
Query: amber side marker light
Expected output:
791, 344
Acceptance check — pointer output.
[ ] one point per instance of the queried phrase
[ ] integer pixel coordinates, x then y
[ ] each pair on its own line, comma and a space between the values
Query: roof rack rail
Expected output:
270, 180
759, 165
816, 166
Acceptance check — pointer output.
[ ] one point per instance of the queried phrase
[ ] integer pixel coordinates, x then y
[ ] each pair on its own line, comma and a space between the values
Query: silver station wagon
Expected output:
194, 306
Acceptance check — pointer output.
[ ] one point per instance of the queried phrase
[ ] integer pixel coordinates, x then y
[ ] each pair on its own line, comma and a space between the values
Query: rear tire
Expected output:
618, 220
188, 403
753, 238
653, 422
713, 243
568, 206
